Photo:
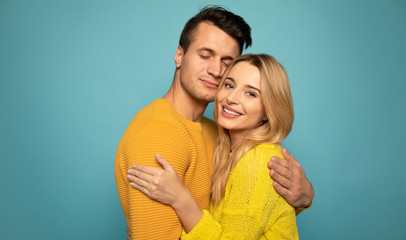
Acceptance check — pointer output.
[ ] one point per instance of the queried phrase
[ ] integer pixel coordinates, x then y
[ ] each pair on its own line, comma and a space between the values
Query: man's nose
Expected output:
215, 68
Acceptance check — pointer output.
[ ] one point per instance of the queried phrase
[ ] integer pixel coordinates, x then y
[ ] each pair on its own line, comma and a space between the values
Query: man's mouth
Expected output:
209, 84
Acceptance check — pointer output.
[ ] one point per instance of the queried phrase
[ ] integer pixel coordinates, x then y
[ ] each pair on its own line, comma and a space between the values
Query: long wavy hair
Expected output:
277, 100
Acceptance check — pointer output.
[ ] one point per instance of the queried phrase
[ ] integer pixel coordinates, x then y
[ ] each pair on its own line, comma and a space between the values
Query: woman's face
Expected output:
239, 104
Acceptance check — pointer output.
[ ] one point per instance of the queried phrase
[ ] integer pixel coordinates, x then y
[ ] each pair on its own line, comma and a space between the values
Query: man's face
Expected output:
200, 69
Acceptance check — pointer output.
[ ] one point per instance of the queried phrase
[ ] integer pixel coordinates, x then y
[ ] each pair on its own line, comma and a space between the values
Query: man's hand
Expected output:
290, 180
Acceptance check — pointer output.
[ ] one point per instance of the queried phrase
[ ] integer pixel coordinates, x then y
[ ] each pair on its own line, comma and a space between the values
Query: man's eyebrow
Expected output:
206, 49
211, 51
228, 58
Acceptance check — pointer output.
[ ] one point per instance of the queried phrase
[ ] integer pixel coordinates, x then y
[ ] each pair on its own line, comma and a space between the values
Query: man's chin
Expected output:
209, 99
206, 99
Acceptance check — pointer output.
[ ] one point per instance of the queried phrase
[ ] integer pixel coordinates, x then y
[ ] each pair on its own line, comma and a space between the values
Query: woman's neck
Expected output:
236, 140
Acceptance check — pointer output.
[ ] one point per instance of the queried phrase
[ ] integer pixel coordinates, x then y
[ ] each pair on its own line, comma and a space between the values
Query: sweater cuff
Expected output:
299, 210
206, 228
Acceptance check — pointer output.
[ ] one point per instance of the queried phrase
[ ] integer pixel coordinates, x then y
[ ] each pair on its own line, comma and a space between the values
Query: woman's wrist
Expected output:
182, 201
187, 210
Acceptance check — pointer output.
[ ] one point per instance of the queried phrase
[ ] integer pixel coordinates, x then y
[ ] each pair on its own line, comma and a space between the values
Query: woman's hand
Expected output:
128, 233
163, 185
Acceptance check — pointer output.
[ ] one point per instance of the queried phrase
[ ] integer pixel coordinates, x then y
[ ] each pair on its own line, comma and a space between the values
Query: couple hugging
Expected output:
181, 175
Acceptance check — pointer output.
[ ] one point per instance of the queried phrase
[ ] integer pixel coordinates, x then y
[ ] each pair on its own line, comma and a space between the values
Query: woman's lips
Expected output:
230, 112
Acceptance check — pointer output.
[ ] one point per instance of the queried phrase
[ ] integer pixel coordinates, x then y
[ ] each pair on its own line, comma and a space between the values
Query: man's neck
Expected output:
190, 108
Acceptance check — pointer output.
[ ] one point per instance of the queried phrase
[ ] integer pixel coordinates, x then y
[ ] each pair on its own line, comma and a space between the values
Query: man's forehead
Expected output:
210, 37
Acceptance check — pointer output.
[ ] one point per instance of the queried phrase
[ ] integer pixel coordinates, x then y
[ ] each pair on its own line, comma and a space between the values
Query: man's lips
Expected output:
209, 84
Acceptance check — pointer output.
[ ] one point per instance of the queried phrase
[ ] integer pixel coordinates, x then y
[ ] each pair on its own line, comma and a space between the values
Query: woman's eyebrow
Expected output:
252, 87
231, 79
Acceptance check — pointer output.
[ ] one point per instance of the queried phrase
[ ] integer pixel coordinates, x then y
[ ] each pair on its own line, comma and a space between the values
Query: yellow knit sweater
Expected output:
250, 208
188, 146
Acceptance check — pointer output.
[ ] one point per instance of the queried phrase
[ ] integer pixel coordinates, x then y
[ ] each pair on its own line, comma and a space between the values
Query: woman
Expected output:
254, 112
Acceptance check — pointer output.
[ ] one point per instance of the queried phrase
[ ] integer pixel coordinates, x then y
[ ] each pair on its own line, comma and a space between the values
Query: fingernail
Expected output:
129, 171
128, 176
157, 155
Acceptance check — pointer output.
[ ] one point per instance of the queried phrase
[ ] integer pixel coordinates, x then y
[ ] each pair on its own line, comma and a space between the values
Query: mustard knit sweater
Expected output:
250, 208
188, 146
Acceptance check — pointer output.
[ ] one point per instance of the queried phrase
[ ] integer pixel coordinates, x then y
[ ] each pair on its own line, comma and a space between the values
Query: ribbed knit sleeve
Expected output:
251, 208
158, 129
149, 218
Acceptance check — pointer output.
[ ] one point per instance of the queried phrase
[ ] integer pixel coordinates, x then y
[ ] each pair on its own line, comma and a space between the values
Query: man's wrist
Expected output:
309, 200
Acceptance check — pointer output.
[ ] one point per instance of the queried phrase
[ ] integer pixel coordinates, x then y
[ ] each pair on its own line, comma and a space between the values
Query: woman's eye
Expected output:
229, 85
251, 94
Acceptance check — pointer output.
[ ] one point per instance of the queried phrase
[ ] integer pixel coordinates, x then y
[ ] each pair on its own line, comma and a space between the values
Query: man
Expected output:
175, 127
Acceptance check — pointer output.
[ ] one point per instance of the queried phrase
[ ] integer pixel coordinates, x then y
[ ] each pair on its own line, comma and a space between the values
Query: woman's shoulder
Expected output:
268, 147
266, 150
259, 156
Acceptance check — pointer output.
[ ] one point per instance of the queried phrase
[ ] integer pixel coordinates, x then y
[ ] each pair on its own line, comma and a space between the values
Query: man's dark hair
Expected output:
232, 24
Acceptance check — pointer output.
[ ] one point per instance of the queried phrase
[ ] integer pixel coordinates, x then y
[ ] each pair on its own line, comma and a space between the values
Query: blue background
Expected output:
74, 73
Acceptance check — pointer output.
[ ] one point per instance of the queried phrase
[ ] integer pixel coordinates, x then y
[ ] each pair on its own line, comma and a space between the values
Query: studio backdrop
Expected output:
74, 73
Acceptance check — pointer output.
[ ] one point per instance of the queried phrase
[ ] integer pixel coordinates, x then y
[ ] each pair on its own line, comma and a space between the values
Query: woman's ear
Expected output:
264, 119
178, 56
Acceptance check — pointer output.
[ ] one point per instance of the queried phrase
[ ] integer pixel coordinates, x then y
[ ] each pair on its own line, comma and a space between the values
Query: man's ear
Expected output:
178, 56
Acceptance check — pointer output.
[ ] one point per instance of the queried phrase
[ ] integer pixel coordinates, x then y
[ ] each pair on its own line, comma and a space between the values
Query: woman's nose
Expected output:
233, 98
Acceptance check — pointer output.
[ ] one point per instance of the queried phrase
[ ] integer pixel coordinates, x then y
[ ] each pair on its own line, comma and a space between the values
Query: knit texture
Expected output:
189, 148
250, 208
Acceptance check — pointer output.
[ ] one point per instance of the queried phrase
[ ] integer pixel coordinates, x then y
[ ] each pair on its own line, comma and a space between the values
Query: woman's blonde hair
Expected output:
277, 100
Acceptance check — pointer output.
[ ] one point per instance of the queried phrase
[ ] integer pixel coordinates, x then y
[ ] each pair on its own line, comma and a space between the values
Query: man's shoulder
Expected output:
159, 111
159, 119
156, 124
